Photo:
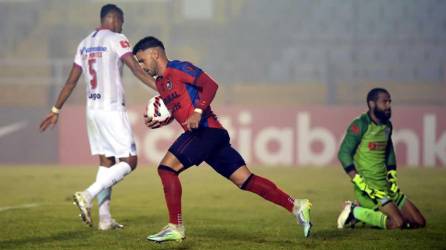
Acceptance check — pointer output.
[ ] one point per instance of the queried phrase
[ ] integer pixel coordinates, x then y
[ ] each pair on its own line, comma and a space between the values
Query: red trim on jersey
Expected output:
208, 89
213, 123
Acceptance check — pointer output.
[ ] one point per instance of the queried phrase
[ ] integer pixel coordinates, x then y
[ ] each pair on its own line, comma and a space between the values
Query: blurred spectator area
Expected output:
286, 51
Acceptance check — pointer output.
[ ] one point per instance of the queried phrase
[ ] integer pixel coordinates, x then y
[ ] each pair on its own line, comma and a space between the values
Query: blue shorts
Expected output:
210, 145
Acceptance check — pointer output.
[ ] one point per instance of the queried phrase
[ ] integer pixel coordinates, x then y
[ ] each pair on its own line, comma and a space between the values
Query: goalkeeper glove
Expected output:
374, 194
393, 180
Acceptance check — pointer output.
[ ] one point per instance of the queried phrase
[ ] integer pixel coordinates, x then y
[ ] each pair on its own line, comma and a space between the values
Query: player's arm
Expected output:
391, 165
349, 145
346, 152
70, 84
138, 71
121, 45
207, 90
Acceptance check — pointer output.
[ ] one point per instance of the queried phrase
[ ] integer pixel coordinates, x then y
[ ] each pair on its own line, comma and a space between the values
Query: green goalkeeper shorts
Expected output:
365, 201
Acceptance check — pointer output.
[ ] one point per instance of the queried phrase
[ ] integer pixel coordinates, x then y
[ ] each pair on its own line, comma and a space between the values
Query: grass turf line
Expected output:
217, 215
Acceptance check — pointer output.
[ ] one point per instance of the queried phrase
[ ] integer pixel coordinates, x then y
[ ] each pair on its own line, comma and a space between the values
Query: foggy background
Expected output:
282, 53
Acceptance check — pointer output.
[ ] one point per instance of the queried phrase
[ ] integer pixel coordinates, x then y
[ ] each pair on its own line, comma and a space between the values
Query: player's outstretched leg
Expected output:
351, 213
269, 191
174, 231
346, 218
111, 176
171, 232
388, 218
83, 202
106, 222
302, 209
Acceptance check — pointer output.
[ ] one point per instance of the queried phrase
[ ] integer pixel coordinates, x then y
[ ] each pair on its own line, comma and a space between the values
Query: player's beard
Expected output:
383, 115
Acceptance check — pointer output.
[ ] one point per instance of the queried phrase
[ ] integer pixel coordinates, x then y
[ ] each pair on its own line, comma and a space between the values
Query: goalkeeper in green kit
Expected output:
368, 157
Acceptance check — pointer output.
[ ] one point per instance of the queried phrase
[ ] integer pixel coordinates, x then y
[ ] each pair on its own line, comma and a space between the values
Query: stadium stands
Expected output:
325, 51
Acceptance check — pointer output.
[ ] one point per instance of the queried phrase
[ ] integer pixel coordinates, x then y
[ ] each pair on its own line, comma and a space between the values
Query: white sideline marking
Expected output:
29, 205
11, 128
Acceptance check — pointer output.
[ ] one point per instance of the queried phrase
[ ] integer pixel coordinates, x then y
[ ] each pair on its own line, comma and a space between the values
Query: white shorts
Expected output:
110, 133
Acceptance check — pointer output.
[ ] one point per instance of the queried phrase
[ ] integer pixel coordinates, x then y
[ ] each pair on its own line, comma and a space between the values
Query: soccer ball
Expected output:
157, 110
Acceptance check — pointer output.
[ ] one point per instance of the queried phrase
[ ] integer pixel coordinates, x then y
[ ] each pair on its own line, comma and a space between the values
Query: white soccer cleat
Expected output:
109, 225
302, 210
84, 206
346, 217
170, 232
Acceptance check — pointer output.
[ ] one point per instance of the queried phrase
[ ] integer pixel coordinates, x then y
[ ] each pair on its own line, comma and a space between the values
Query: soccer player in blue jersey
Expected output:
188, 92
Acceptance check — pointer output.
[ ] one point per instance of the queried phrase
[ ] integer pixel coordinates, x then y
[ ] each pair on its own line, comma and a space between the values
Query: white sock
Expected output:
112, 175
104, 197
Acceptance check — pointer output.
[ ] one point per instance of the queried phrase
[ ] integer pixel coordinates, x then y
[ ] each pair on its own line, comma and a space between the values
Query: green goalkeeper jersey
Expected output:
368, 148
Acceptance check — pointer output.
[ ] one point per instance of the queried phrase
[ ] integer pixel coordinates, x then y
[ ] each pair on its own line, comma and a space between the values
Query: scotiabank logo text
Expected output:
309, 136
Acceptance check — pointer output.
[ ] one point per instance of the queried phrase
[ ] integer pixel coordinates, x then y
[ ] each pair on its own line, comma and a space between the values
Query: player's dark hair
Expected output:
374, 93
110, 8
146, 43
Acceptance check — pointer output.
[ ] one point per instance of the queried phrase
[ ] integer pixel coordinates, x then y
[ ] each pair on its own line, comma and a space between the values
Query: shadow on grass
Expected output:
332, 234
184, 245
236, 236
34, 241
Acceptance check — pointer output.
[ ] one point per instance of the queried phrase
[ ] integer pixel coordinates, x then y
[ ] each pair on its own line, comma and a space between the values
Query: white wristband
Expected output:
198, 110
55, 110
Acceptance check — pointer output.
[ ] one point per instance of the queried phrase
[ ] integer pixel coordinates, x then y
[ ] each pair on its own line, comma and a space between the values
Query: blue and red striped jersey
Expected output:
184, 87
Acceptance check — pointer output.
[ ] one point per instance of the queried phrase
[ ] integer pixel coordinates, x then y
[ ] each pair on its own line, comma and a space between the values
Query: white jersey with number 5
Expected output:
99, 56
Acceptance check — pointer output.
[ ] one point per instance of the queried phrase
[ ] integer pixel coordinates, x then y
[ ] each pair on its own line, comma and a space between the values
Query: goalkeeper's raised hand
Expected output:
374, 194
393, 180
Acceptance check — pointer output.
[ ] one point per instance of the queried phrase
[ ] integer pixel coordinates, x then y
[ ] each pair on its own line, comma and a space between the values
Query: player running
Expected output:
100, 57
368, 157
188, 92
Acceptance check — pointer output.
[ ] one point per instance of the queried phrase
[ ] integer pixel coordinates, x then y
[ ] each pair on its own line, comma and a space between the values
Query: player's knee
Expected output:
420, 222
243, 184
395, 223
162, 169
106, 162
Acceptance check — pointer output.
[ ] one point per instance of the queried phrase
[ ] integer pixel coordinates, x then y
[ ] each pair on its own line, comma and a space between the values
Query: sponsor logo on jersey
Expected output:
377, 146
170, 98
93, 55
94, 96
93, 49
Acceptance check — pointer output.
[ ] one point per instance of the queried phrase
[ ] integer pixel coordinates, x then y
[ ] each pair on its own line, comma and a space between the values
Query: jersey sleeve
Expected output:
350, 143
190, 73
206, 86
78, 56
208, 90
390, 153
120, 44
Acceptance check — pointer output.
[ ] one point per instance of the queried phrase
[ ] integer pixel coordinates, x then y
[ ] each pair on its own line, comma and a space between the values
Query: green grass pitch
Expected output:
36, 211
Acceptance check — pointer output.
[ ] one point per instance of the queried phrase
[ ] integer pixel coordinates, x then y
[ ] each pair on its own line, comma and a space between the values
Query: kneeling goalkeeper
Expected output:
368, 157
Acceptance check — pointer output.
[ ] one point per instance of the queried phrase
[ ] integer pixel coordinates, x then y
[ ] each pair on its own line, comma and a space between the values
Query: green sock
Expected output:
369, 216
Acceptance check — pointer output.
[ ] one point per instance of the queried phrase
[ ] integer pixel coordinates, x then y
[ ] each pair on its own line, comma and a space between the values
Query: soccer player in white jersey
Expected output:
100, 56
